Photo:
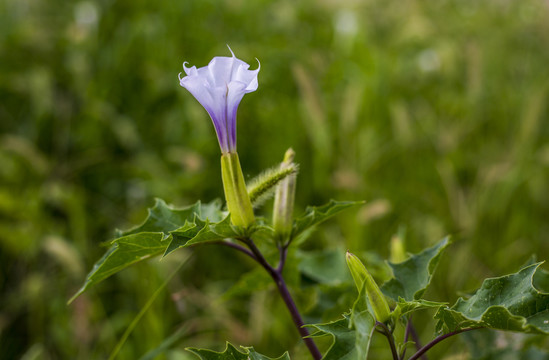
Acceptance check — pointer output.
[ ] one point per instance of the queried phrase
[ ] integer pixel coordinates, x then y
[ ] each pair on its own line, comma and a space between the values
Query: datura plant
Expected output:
517, 302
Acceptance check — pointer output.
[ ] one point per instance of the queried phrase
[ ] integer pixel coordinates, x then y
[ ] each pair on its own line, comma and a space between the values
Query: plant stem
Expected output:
411, 331
406, 336
283, 254
237, 247
416, 339
276, 274
385, 331
435, 341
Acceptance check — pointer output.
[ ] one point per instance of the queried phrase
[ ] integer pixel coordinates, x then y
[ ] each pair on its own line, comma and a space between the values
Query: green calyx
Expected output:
236, 195
362, 278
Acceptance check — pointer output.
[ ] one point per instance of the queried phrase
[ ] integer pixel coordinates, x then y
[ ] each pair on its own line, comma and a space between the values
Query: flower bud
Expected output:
284, 201
236, 195
362, 278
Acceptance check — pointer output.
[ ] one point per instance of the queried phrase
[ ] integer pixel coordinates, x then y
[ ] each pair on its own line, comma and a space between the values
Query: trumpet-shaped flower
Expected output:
219, 88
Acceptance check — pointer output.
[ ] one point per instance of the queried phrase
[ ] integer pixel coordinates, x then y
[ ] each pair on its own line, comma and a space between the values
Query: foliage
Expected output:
231, 353
412, 276
506, 303
178, 228
351, 334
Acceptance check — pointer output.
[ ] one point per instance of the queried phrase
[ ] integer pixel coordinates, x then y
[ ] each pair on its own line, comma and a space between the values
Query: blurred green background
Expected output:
434, 112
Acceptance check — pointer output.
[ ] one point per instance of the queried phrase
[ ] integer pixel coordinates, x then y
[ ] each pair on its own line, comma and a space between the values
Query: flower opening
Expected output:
219, 88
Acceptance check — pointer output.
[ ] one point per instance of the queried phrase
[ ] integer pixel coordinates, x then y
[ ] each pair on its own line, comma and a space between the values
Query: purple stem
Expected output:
438, 339
237, 247
283, 254
406, 336
276, 274
416, 339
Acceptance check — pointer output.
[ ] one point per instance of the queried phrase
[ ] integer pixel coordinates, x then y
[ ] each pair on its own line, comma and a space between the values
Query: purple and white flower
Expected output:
219, 88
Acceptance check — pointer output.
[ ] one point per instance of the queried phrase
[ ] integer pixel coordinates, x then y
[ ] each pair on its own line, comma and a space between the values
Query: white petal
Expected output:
189, 71
220, 70
219, 87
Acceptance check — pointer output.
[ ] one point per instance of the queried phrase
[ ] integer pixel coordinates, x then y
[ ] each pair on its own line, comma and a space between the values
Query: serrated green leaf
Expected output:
509, 302
125, 251
314, 215
254, 355
200, 231
165, 218
363, 322
231, 353
181, 236
413, 276
215, 231
148, 239
344, 338
351, 338
212, 211
404, 307
541, 280
351, 334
